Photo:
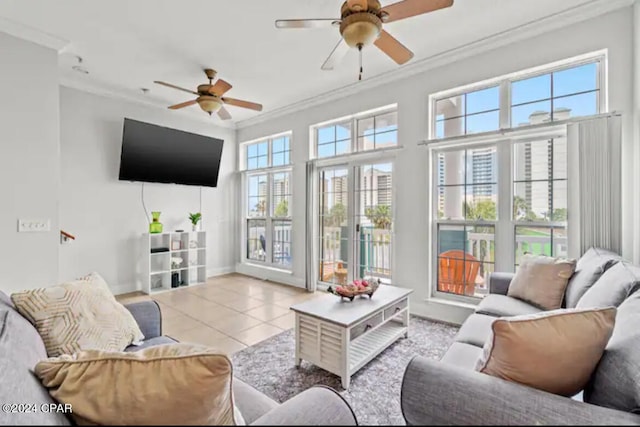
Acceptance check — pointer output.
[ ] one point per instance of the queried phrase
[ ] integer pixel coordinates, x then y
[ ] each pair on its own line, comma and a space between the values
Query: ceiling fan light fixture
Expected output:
361, 29
209, 104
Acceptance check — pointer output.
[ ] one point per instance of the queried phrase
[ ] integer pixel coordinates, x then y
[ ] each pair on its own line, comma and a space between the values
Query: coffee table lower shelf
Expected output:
363, 349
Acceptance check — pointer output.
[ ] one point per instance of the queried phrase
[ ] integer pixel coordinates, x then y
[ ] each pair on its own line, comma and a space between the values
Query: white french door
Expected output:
356, 222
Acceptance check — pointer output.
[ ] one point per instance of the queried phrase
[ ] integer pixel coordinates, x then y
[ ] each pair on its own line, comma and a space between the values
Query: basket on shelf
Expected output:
355, 288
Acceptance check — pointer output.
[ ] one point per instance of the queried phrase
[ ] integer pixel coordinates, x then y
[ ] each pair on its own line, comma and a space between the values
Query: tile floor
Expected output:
229, 312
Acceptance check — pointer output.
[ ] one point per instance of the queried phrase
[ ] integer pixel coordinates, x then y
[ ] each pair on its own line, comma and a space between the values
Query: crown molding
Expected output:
102, 90
558, 20
32, 35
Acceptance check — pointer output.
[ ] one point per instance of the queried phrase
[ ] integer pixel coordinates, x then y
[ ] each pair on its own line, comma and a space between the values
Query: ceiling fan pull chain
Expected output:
361, 68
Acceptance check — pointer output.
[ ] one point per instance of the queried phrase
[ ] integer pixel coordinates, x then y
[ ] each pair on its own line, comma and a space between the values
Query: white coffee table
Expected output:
342, 336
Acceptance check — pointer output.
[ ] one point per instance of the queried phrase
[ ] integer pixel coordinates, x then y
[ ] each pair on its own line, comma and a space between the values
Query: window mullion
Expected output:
505, 104
268, 221
505, 231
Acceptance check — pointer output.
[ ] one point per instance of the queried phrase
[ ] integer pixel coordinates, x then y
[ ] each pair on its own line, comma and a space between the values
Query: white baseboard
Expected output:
266, 273
123, 288
220, 271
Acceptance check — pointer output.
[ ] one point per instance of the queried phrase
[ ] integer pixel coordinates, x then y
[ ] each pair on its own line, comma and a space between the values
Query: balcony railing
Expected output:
541, 245
374, 252
481, 246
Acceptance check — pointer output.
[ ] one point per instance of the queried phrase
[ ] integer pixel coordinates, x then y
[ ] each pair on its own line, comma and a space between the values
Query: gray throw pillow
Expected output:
615, 285
590, 267
616, 381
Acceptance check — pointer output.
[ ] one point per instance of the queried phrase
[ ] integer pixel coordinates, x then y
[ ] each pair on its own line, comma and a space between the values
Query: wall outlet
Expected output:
34, 225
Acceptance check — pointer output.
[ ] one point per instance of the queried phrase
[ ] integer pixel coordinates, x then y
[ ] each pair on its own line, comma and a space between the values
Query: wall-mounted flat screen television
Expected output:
152, 153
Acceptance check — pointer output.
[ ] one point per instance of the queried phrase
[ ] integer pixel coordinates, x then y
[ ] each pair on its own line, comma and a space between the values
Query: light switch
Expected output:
34, 225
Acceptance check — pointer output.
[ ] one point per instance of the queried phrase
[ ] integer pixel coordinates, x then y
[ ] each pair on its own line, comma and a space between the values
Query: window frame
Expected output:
506, 223
269, 171
504, 82
244, 147
353, 120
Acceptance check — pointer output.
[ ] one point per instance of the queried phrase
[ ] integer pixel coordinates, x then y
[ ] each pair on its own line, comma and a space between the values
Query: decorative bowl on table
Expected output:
355, 288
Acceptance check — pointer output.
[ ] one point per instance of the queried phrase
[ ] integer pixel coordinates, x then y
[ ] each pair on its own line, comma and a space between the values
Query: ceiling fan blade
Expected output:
408, 8
336, 55
307, 23
223, 113
243, 104
220, 88
358, 5
184, 104
176, 87
393, 48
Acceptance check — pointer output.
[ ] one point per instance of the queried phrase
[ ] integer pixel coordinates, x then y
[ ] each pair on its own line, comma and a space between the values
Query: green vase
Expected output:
155, 226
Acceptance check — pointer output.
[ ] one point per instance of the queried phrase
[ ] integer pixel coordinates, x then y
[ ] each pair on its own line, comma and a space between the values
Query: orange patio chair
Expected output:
457, 272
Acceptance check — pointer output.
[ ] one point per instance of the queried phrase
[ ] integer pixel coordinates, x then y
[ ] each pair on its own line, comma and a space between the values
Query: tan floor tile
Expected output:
284, 289
256, 334
240, 288
205, 310
179, 323
285, 322
270, 296
267, 312
176, 299
296, 299
201, 335
168, 312
243, 303
215, 294
229, 345
232, 324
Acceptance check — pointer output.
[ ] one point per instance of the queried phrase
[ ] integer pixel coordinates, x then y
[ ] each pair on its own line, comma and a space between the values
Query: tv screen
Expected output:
153, 153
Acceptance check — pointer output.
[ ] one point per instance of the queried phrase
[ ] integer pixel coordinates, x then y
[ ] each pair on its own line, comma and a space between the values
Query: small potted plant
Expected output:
195, 220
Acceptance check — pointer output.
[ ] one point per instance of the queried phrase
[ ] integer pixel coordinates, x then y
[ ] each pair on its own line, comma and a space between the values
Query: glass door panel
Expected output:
373, 220
334, 225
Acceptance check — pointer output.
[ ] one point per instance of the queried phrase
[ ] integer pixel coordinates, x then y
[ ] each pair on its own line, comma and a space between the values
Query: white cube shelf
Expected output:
157, 269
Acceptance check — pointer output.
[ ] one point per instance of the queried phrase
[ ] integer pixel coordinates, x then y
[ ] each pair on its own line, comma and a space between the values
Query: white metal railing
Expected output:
374, 245
481, 244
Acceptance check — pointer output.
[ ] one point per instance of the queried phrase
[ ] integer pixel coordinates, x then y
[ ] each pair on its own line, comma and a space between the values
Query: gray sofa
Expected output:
451, 392
21, 348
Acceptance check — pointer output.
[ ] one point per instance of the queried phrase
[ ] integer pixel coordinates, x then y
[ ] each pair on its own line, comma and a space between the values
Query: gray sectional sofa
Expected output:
21, 348
451, 392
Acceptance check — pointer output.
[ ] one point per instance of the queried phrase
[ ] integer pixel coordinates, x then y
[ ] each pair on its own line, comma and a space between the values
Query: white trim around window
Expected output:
266, 207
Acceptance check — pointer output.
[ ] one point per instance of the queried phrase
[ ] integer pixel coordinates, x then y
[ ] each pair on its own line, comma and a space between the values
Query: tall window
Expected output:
497, 198
267, 178
373, 131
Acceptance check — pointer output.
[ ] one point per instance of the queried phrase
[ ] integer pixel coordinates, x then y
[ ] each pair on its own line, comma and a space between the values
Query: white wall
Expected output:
612, 31
30, 159
106, 215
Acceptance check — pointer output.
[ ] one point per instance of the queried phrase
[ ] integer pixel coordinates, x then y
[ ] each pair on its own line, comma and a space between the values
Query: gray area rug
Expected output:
374, 393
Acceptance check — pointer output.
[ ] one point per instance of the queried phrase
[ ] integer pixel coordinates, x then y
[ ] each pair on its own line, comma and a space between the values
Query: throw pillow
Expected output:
589, 268
174, 384
542, 280
555, 351
616, 381
613, 287
78, 315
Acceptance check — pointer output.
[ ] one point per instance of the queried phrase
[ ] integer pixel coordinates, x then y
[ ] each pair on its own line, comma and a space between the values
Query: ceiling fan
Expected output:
210, 97
361, 25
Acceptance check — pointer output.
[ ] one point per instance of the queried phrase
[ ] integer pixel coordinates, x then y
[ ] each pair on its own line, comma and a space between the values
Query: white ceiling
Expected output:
126, 44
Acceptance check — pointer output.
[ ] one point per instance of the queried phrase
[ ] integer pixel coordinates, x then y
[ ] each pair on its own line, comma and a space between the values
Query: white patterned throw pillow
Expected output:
78, 315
